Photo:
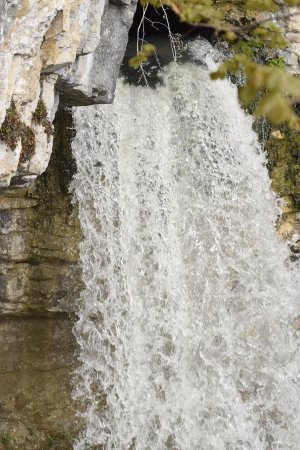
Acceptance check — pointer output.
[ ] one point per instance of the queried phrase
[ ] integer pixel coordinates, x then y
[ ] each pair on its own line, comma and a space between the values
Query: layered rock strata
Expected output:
39, 284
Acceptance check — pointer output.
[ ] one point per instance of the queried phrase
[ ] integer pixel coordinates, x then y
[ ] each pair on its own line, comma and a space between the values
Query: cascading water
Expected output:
187, 323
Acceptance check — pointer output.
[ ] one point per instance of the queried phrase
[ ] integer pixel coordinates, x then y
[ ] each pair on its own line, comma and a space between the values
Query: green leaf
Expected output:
261, 5
247, 94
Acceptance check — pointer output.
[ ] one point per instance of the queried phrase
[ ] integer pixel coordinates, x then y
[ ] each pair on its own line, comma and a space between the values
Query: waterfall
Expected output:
188, 322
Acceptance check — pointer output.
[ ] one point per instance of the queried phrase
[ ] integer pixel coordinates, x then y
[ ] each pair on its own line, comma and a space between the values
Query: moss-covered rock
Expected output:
40, 280
283, 152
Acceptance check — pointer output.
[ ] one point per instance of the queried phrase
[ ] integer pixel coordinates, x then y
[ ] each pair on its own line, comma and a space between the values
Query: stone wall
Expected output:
36, 361
292, 33
40, 232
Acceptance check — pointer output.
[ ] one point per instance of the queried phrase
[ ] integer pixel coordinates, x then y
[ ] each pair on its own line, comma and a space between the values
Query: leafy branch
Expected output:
280, 88
274, 90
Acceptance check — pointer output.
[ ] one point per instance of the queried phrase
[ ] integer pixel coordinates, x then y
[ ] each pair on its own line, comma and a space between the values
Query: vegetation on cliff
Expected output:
40, 116
14, 130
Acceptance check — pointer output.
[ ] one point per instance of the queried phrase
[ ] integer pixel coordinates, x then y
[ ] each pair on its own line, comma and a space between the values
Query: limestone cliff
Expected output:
57, 50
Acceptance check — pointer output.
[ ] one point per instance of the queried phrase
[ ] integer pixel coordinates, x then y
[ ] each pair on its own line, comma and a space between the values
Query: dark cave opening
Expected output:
154, 29
155, 24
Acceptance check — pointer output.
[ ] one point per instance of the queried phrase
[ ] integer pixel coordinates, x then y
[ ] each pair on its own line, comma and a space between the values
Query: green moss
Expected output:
284, 164
40, 112
244, 48
60, 441
13, 130
48, 127
7, 441
255, 42
248, 47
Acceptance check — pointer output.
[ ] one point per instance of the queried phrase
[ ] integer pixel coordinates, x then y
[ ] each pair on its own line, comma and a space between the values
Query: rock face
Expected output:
36, 409
56, 49
39, 285
283, 150
40, 233
234, 12
284, 168
292, 32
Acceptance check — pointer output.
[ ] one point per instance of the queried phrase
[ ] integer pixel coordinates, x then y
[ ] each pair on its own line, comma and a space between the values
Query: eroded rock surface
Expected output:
39, 284
36, 361
67, 49
284, 167
40, 232
292, 33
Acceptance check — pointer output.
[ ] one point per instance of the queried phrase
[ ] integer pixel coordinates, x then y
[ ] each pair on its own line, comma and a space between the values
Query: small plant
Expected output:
12, 127
48, 128
40, 116
142, 56
277, 62
40, 112
28, 143
13, 130
247, 47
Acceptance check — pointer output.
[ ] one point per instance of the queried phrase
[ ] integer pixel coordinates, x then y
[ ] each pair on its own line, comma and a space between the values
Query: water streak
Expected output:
186, 323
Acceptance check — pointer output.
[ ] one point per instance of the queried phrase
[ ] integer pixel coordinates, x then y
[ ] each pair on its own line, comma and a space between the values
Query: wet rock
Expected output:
36, 361
40, 281
284, 168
